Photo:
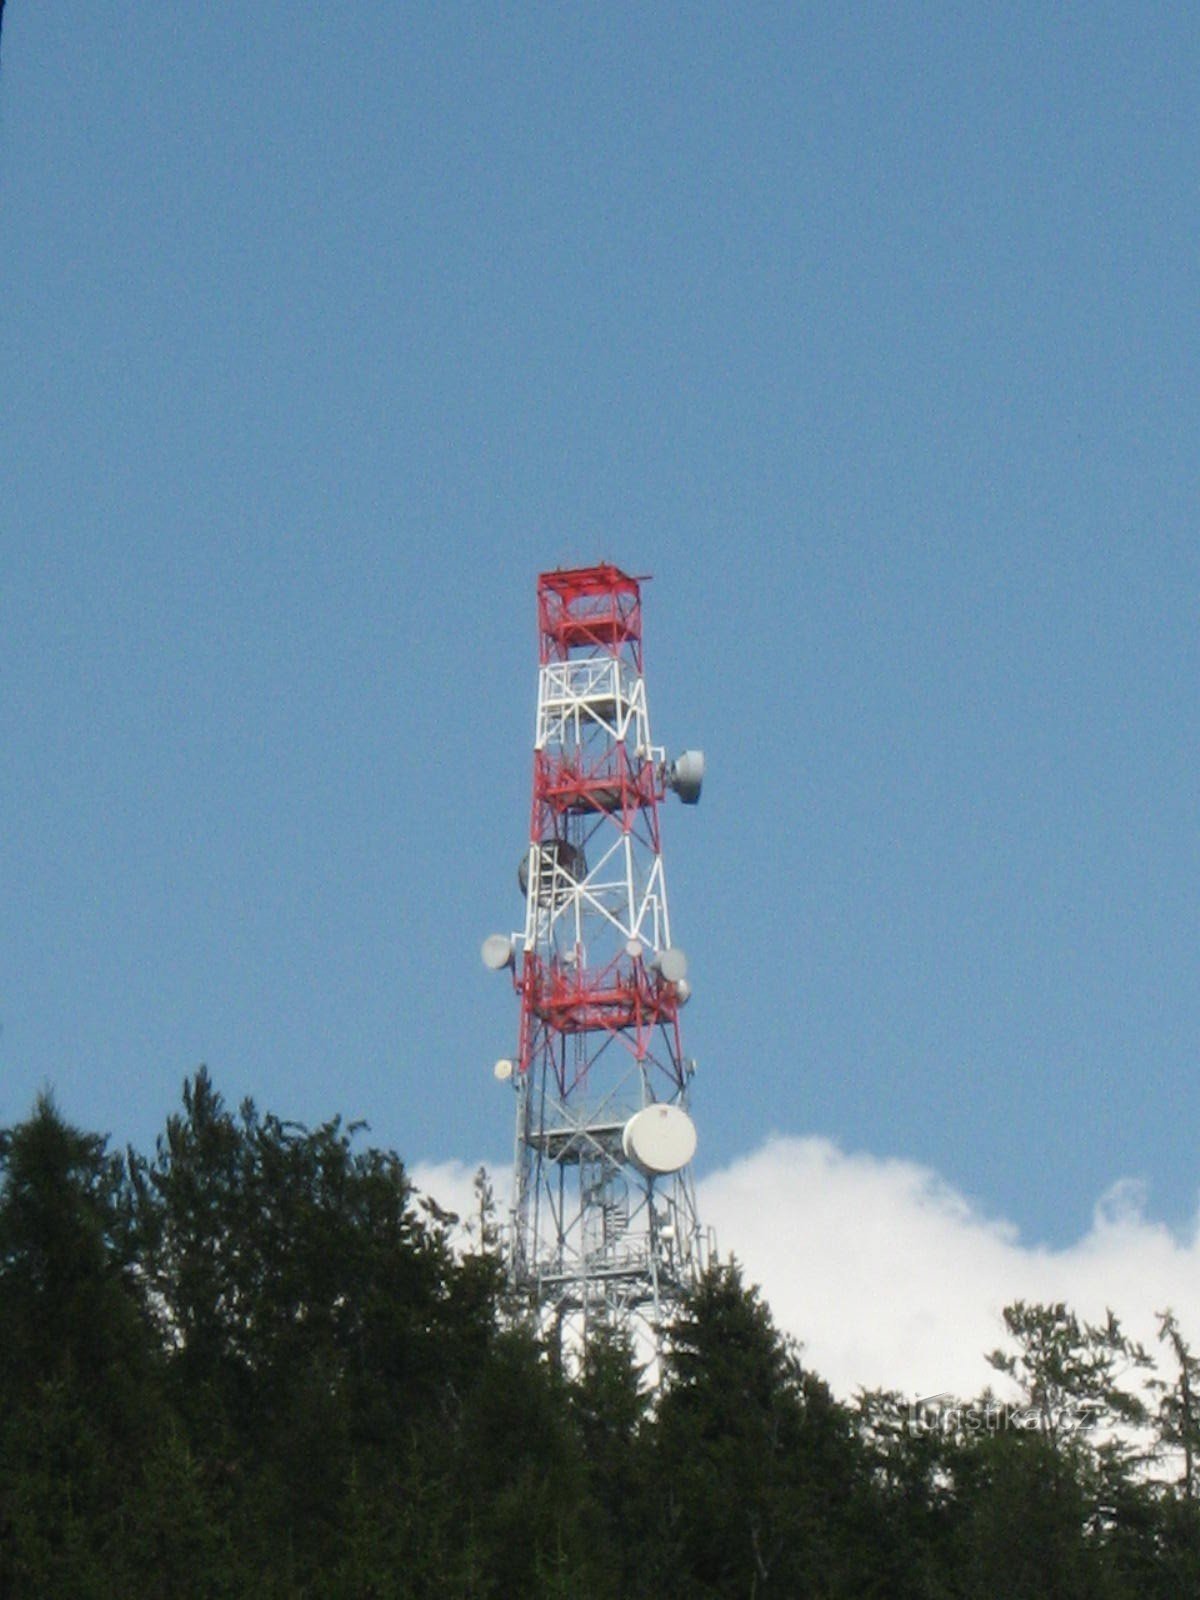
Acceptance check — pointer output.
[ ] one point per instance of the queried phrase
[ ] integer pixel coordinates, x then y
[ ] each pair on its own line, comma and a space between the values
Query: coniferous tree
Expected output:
753, 1457
79, 1401
255, 1366
310, 1310
610, 1405
906, 1515
1177, 1553
1071, 1476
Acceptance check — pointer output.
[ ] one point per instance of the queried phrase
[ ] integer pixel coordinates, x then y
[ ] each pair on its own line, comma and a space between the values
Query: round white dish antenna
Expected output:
497, 952
659, 1139
634, 948
503, 1070
686, 776
672, 964
555, 857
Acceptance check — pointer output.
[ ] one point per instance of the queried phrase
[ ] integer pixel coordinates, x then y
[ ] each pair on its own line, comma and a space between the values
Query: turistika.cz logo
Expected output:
953, 1418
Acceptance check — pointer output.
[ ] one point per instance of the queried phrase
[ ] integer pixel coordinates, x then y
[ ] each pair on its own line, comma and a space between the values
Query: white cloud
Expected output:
452, 1185
889, 1278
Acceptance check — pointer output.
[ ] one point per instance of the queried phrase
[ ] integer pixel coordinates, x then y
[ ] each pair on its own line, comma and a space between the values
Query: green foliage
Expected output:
71, 1307
907, 1514
78, 1401
1024, 1523
254, 1366
1069, 1372
1179, 1404
1085, 1458
752, 1456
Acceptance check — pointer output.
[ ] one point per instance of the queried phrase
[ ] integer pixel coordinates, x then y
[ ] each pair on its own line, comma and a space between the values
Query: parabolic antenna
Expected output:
659, 1139
686, 776
672, 964
497, 951
558, 854
503, 1070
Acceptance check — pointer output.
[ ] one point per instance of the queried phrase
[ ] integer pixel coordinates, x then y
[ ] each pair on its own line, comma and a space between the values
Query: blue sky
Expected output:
870, 331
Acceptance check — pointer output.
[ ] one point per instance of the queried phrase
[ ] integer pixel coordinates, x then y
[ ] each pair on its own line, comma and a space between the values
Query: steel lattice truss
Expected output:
600, 1230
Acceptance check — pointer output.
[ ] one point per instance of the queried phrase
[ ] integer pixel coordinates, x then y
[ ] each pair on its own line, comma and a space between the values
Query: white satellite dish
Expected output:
634, 948
672, 964
497, 951
503, 1070
686, 776
659, 1139
559, 863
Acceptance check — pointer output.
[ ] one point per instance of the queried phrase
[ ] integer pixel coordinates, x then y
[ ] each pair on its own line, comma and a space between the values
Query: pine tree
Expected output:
79, 1394
752, 1455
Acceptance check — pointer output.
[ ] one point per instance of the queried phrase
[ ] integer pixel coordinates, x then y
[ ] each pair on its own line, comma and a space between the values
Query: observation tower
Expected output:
603, 1226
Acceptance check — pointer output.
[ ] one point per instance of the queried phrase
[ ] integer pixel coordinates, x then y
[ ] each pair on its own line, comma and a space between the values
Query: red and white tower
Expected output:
604, 1222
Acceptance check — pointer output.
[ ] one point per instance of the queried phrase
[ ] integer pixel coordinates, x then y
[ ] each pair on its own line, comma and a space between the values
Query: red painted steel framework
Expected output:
603, 1221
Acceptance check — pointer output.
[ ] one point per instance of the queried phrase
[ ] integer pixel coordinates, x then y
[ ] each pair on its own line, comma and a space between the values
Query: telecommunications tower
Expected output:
603, 1225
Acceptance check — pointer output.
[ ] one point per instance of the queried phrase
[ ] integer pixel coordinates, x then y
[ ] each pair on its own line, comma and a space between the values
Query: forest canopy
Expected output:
253, 1364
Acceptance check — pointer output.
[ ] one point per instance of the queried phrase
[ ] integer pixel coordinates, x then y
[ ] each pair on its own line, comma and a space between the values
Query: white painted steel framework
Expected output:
603, 1223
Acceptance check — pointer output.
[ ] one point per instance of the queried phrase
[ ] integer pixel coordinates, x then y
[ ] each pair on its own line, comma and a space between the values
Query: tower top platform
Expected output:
588, 609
